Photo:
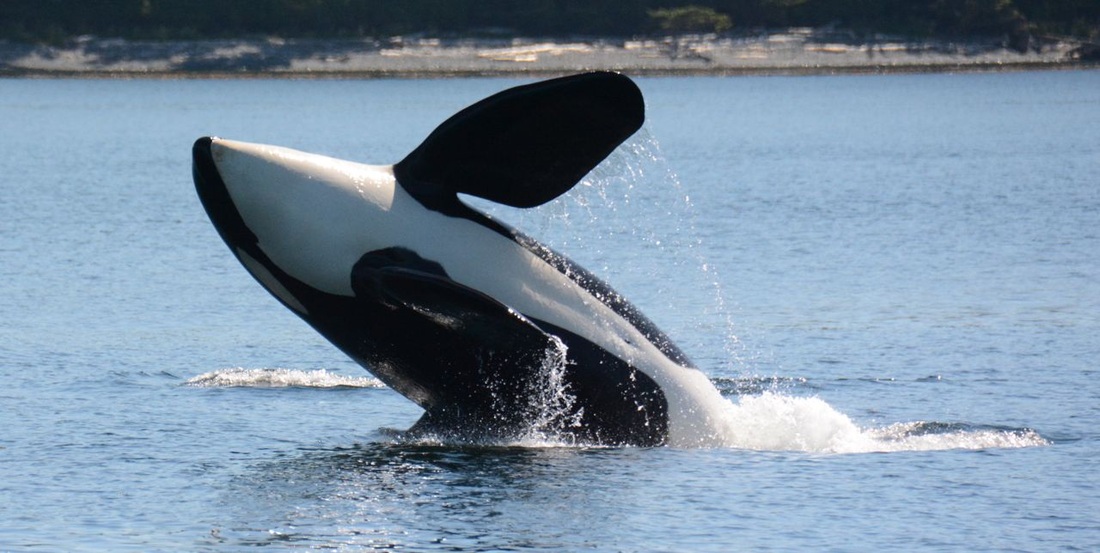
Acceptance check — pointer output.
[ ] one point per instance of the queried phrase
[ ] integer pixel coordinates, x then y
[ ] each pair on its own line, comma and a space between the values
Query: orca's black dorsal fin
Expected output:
526, 145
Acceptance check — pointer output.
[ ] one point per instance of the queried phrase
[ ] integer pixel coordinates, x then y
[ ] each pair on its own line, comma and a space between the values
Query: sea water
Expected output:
893, 280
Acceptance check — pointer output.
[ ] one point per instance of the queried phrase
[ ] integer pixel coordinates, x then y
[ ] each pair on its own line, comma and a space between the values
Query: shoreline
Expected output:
790, 52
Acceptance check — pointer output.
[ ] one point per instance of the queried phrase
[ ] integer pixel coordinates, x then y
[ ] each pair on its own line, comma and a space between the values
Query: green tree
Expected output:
691, 19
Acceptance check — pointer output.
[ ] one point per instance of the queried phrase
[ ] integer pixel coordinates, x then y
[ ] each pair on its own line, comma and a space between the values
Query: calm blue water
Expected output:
894, 279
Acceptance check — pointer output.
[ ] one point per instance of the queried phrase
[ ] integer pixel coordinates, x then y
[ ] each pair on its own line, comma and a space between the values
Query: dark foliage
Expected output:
58, 20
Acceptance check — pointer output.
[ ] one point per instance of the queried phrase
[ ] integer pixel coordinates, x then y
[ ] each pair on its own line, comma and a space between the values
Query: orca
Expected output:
456, 310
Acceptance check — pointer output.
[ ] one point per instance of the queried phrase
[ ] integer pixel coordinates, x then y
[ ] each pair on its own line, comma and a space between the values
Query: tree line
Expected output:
59, 20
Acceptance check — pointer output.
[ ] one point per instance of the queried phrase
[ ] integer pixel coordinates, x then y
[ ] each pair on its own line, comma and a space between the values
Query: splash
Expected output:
280, 378
775, 422
552, 402
548, 416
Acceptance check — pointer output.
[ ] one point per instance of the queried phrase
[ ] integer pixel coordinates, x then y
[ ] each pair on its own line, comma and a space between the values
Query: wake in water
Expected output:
777, 422
280, 378
756, 419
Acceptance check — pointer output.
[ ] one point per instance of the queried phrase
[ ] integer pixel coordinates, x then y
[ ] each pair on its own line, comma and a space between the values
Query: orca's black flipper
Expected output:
526, 145
476, 363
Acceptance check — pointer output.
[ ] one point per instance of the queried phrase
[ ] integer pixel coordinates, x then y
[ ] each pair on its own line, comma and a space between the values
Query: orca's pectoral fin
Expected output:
451, 306
479, 363
526, 145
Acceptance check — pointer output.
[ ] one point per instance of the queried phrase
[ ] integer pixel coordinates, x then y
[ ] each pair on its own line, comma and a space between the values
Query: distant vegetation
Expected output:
691, 19
53, 21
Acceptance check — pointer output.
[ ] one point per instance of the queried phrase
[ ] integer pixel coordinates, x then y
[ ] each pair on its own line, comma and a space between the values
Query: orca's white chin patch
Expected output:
312, 215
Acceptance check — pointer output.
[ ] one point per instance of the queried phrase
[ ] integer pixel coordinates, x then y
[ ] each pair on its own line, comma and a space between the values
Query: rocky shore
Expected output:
792, 51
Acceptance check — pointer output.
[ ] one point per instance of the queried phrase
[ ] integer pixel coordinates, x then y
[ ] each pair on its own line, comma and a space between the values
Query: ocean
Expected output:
894, 280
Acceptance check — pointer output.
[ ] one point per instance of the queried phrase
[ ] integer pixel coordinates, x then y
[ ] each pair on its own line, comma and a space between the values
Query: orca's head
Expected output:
296, 219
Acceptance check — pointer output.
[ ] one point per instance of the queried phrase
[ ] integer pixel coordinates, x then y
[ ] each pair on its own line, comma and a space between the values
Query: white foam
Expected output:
912, 437
280, 378
775, 422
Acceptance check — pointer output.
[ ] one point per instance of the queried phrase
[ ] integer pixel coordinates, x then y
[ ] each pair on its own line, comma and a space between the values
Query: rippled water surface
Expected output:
894, 281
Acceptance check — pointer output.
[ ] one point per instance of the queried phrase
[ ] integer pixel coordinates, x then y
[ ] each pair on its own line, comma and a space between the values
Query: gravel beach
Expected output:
792, 51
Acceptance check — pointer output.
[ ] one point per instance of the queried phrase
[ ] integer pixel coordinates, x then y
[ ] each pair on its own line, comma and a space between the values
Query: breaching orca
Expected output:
453, 309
